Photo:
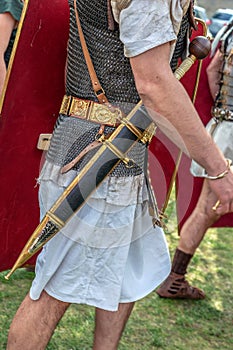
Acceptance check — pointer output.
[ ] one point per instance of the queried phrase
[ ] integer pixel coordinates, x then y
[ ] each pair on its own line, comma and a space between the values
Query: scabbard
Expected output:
114, 149
132, 129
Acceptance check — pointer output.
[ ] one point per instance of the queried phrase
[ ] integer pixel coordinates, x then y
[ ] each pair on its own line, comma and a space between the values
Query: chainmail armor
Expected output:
72, 135
224, 99
112, 68
181, 42
8, 51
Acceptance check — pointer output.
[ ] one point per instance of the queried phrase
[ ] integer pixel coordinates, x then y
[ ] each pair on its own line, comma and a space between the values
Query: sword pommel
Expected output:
199, 48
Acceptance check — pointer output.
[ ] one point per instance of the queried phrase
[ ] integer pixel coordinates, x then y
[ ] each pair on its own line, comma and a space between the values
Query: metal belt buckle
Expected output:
103, 115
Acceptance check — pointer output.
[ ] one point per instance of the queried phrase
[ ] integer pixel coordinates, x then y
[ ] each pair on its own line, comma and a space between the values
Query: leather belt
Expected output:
104, 114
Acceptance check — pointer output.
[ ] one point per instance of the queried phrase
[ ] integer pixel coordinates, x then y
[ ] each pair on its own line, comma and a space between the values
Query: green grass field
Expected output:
155, 323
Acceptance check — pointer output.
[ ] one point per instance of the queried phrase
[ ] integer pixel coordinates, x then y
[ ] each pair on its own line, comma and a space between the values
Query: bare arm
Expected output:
7, 24
171, 109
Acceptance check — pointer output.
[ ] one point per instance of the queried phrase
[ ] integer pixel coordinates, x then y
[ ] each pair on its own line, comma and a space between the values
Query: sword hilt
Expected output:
199, 48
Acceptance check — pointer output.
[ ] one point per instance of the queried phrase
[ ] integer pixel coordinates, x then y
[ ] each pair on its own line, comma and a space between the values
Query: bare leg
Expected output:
109, 326
34, 323
199, 221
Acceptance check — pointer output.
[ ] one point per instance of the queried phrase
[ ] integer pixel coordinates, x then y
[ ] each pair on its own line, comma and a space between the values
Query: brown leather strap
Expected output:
111, 21
99, 91
192, 20
70, 165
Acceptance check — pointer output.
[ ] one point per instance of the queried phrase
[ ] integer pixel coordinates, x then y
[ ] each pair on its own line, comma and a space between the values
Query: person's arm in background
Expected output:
213, 73
7, 24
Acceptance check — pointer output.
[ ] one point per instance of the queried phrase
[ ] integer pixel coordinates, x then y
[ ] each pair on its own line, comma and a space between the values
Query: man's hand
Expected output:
223, 188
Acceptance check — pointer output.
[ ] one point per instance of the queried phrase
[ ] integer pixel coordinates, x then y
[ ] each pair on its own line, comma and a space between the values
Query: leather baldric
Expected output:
99, 91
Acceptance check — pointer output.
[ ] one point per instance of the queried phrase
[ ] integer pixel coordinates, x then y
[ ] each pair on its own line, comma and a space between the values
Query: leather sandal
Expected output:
176, 287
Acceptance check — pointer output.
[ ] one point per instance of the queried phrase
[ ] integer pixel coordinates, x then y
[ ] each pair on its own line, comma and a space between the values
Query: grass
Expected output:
155, 323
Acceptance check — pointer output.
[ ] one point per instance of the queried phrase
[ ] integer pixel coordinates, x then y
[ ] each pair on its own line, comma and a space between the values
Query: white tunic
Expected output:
146, 24
108, 253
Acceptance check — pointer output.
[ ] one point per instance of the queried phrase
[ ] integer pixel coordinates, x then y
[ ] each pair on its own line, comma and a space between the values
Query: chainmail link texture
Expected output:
112, 68
181, 42
72, 135
224, 98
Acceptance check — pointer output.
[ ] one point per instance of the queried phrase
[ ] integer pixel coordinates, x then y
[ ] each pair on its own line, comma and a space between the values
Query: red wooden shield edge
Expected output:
33, 96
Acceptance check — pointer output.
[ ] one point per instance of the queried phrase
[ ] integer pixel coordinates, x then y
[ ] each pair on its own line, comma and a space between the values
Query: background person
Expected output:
10, 12
220, 78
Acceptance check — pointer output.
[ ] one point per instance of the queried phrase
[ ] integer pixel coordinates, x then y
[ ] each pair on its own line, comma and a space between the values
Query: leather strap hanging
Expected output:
99, 91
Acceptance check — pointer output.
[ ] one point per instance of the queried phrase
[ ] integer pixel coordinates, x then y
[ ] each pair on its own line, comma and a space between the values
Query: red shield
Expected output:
33, 95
